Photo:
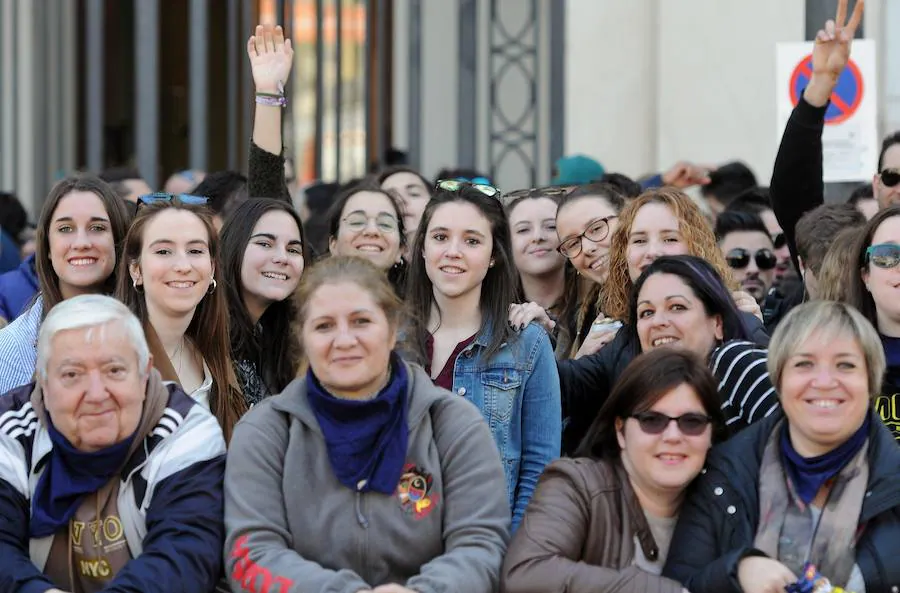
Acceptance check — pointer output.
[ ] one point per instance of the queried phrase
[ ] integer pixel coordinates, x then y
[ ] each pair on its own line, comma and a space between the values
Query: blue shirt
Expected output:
18, 348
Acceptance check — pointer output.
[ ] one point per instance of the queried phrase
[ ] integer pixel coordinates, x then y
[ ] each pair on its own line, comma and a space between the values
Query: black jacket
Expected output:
587, 382
718, 521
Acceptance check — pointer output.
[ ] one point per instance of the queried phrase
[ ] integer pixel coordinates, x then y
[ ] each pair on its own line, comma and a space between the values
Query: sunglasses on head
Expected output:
739, 258
187, 199
690, 424
456, 185
890, 177
884, 255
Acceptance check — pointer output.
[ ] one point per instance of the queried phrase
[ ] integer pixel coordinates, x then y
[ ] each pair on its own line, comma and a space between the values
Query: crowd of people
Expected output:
604, 384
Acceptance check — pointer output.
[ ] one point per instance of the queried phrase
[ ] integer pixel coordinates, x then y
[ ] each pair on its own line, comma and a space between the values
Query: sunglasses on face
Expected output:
596, 231
890, 177
690, 424
779, 240
358, 221
884, 255
456, 185
739, 258
187, 199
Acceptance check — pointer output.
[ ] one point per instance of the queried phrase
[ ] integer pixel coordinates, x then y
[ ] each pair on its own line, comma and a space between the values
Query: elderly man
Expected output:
110, 480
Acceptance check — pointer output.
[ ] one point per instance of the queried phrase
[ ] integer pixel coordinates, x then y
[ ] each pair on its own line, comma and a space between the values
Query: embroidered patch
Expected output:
414, 492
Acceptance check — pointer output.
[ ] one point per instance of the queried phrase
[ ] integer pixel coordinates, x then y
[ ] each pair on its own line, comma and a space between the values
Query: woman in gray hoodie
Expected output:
362, 475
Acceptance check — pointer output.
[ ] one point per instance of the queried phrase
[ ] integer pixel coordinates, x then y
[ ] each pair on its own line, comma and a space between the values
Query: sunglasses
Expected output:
884, 255
157, 197
739, 258
779, 240
690, 424
596, 231
553, 191
890, 177
456, 185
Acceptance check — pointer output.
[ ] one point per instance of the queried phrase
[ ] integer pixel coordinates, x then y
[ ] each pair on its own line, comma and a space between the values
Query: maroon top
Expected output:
445, 377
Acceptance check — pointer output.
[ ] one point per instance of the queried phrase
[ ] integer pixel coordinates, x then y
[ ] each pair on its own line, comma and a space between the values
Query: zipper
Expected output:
360, 517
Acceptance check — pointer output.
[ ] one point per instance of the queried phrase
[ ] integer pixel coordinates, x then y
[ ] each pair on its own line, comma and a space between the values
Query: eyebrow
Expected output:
363, 212
670, 297
446, 230
272, 237
839, 354
70, 219
191, 242
354, 312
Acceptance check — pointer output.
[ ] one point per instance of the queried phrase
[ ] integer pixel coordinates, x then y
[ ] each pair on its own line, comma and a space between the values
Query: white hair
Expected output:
90, 311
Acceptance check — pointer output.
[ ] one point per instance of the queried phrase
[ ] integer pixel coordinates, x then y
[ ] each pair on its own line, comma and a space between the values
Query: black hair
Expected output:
755, 200
603, 191
225, 190
731, 221
646, 380
273, 347
498, 289
390, 171
707, 285
13, 217
885, 145
728, 182
863, 192
625, 185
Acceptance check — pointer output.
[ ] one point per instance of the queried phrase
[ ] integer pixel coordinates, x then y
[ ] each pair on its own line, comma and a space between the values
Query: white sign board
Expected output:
850, 140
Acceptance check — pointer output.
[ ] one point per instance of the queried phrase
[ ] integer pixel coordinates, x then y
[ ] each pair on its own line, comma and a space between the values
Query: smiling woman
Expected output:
168, 277
79, 234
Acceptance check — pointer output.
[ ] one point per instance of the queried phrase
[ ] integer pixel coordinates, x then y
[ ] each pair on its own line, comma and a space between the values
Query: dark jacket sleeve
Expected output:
756, 329
17, 573
182, 552
265, 175
797, 186
547, 551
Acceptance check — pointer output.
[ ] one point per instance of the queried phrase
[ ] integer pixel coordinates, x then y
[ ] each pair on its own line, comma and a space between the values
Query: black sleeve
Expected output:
797, 186
756, 330
265, 175
17, 573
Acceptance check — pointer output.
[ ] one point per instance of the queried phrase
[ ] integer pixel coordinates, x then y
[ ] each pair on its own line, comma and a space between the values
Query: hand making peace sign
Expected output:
832, 52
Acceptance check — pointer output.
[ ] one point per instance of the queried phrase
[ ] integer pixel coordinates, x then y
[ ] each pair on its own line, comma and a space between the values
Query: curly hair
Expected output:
695, 231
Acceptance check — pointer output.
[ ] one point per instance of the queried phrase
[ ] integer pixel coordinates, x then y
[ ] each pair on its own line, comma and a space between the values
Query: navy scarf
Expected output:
809, 474
70, 476
366, 440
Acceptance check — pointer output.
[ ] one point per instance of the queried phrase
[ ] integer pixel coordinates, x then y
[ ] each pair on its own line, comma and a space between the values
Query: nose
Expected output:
660, 319
82, 239
589, 246
672, 433
181, 263
279, 255
824, 378
95, 390
345, 337
371, 227
452, 248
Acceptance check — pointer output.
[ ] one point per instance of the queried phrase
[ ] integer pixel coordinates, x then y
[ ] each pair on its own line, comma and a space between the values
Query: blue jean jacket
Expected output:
517, 390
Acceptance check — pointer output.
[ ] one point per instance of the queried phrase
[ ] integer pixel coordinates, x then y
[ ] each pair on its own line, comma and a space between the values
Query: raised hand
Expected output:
832, 52
271, 56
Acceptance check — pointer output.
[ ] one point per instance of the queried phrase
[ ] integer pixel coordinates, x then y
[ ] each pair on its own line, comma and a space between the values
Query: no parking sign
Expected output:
850, 139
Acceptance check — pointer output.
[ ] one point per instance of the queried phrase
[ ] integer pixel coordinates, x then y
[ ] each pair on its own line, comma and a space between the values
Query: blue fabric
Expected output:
366, 440
9, 253
808, 474
70, 476
517, 390
652, 182
17, 289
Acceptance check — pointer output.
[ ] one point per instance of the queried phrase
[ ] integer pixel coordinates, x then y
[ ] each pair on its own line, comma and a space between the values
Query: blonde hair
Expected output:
838, 265
831, 320
696, 233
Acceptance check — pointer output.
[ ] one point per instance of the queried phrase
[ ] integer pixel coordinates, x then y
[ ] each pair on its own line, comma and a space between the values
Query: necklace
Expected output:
177, 353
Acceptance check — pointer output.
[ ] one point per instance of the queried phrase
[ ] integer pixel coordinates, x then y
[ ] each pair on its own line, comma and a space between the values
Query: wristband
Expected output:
271, 100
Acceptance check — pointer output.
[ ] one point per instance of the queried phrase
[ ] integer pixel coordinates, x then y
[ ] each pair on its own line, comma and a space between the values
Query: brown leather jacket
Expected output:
577, 535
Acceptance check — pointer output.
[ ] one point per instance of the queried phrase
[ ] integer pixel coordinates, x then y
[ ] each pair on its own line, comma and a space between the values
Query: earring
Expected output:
135, 285
212, 286
491, 265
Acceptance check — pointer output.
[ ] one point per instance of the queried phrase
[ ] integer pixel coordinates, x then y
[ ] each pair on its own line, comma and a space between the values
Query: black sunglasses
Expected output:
690, 424
157, 197
890, 177
884, 255
739, 258
779, 240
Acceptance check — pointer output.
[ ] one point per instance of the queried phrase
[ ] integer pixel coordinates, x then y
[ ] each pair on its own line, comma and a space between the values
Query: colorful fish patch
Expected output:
415, 492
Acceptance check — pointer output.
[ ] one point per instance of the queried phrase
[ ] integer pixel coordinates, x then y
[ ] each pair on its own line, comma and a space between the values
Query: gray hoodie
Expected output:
292, 527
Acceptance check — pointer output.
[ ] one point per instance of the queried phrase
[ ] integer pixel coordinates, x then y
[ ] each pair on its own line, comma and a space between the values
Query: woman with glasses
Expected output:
461, 284
79, 237
819, 484
263, 257
603, 521
585, 223
873, 288
170, 278
366, 221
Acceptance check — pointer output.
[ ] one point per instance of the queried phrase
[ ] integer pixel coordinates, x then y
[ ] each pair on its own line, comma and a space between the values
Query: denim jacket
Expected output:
517, 390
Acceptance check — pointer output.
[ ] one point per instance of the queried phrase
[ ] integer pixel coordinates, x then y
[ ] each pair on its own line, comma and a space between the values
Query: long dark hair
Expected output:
645, 381
704, 280
857, 293
48, 280
208, 329
276, 337
498, 289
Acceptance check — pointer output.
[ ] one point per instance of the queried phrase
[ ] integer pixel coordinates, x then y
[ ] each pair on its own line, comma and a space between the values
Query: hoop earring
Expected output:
212, 286
135, 285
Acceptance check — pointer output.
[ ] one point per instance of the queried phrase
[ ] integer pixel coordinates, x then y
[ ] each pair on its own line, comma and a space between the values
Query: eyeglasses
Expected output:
358, 221
690, 424
456, 185
553, 191
739, 258
779, 240
890, 177
884, 255
157, 197
596, 231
